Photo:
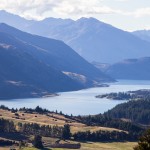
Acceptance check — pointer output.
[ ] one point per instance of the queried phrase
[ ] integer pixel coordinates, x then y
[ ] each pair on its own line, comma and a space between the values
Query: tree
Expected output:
144, 142
38, 141
66, 132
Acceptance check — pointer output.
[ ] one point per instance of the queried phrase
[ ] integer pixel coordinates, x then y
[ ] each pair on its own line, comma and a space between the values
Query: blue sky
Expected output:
125, 14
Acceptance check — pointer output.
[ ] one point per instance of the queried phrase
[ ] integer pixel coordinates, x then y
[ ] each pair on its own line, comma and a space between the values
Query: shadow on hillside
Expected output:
13, 136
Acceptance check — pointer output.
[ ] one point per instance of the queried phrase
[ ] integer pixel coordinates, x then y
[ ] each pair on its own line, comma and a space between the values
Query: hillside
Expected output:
143, 34
92, 39
133, 69
57, 55
24, 76
135, 111
24, 123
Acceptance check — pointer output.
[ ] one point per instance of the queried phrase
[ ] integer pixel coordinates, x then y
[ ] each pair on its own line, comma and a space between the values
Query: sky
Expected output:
128, 15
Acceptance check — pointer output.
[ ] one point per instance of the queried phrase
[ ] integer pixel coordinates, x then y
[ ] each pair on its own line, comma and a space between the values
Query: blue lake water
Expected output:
81, 102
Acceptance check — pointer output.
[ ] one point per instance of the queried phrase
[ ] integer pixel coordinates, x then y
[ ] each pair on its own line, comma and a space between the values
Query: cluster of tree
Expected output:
7, 143
4, 107
136, 111
117, 96
7, 126
105, 121
144, 142
44, 130
38, 110
66, 134
102, 136
37, 142
130, 95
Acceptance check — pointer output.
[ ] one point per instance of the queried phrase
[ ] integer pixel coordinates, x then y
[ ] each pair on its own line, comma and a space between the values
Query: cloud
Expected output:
142, 12
122, 0
138, 13
39, 9
29, 7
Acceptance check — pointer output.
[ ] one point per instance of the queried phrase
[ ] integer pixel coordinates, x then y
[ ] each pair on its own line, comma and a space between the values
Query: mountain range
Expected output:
131, 69
33, 65
143, 34
92, 39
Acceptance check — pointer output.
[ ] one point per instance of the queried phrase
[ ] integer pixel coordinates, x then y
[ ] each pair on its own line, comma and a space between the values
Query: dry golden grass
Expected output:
51, 119
92, 129
87, 145
108, 146
60, 120
95, 146
4, 148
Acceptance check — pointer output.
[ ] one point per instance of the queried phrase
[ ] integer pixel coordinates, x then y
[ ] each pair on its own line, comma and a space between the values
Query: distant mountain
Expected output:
57, 55
92, 39
101, 66
14, 20
143, 34
133, 69
24, 76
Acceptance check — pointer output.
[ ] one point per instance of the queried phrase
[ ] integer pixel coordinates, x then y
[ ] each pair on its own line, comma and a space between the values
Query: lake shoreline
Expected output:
82, 102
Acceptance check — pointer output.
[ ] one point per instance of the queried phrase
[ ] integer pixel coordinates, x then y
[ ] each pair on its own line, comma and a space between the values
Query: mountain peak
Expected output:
90, 19
3, 11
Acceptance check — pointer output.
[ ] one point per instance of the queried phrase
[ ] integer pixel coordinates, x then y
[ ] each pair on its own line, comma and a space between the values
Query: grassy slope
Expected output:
95, 146
75, 126
52, 119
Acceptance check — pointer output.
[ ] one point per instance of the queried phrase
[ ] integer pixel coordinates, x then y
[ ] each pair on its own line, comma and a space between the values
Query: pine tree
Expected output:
66, 132
144, 142
38, 141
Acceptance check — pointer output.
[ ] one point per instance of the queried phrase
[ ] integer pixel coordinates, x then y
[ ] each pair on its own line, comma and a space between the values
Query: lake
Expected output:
81, 102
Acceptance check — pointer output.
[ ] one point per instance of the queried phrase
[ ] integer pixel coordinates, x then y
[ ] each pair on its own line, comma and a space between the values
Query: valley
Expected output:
72, 79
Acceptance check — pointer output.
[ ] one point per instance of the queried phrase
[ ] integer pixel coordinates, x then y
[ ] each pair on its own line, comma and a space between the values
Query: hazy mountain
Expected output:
14, 20
101, 66
22, 75
143, 34
134, 69
92, 39
55, 54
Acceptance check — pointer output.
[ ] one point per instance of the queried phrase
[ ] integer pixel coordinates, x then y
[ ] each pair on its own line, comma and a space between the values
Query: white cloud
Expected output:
39, 9
138, 13
122, 0
142, 12
42, 8
29, 7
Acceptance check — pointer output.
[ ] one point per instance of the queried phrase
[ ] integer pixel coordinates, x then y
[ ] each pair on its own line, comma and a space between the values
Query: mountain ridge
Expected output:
34, 66
132, 69
23, 76
143, 34
56, 54
92, 39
